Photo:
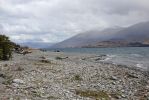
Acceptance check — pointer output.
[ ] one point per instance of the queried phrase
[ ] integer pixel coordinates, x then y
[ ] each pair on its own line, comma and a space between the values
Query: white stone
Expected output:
18, 81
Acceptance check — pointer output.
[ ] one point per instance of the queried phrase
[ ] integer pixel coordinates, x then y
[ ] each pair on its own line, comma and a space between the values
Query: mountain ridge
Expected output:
135, 35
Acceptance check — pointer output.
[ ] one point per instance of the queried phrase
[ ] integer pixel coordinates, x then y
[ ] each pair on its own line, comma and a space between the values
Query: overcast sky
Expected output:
56, 20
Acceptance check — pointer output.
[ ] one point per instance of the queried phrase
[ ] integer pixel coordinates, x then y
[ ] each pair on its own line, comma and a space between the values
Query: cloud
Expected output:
56, 20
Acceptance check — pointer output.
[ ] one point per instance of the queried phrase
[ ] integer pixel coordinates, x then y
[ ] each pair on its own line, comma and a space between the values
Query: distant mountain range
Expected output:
136, 35
37, 45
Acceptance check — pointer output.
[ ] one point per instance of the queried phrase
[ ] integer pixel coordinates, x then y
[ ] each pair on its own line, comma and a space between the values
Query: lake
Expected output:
130, 56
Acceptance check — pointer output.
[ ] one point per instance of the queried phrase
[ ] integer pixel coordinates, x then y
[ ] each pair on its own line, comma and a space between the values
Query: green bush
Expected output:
1, 53
58, 58
6, 47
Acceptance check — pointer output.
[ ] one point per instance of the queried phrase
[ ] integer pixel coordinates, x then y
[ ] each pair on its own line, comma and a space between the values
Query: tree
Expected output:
6, 47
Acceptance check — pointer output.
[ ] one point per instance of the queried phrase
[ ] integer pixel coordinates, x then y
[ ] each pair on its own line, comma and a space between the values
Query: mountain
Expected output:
88, 37
36, 44
135, 35
138, 32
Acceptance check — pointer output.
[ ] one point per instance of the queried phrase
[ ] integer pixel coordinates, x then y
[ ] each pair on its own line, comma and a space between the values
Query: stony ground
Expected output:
58, 76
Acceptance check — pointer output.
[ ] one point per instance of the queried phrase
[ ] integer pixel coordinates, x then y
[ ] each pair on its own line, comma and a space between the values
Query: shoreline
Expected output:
67, 76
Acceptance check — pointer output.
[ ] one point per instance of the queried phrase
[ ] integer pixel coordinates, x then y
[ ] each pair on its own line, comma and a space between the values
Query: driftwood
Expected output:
24, 52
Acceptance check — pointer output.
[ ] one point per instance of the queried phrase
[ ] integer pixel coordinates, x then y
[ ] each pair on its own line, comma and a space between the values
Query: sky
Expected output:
56, 20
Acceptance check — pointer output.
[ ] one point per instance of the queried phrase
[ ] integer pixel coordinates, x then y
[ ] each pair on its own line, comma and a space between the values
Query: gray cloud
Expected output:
56, 20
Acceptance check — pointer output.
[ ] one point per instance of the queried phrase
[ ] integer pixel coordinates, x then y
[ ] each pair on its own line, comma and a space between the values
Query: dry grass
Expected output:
93, 94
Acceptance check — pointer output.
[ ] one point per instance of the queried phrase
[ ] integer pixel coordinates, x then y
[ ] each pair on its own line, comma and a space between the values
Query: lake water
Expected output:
131, 56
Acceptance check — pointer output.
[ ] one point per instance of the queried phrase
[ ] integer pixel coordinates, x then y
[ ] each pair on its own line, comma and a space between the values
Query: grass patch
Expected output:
8, 80
19, 69
35, 93
58, 58
45, 61
52, 97
77, 78
116, 95
93, 94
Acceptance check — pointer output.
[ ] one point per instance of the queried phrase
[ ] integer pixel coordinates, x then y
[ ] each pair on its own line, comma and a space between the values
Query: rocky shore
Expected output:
65, 76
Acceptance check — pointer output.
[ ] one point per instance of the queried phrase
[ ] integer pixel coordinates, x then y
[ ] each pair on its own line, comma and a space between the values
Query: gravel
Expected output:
40, 76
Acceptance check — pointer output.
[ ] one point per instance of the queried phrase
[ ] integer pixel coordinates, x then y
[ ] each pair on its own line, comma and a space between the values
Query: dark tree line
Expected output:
6, 47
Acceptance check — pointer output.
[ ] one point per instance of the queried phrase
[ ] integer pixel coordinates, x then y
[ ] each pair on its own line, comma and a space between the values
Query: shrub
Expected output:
6, 47
58, 58
77, 78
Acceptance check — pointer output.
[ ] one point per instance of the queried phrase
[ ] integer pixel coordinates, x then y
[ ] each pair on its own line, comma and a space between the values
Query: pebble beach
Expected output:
69, 76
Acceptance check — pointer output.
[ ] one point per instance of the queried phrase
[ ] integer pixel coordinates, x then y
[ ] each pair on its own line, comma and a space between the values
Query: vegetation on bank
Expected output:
6, 47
